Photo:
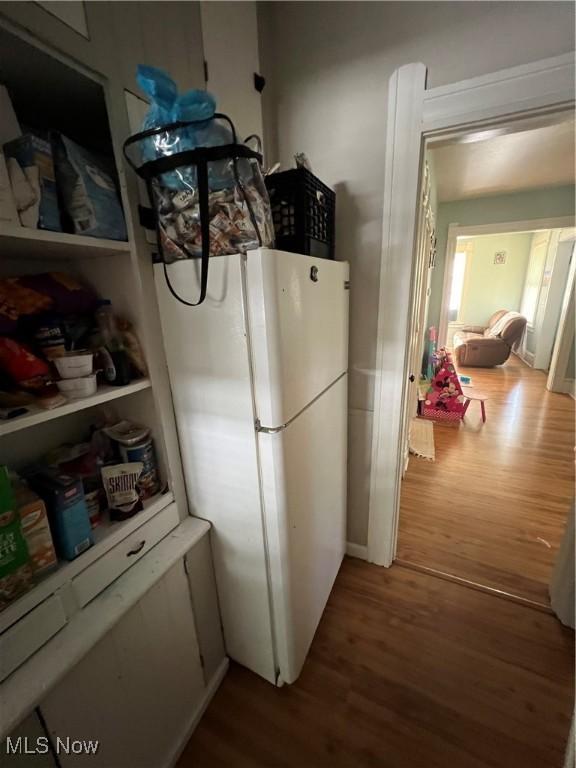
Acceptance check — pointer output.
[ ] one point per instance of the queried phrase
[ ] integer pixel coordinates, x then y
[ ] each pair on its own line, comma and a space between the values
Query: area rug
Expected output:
421, 439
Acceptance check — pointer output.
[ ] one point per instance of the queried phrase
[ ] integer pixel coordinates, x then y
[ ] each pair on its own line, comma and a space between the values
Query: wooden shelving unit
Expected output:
106, 536
37, 415
21, 242
56, 623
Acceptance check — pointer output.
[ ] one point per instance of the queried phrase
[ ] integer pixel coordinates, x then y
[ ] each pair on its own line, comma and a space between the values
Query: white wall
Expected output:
230, 41
327, 66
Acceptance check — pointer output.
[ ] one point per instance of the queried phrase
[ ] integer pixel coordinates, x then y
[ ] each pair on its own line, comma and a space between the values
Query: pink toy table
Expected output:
475, 396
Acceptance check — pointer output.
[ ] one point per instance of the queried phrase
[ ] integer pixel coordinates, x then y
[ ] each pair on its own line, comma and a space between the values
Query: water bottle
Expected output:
117, 368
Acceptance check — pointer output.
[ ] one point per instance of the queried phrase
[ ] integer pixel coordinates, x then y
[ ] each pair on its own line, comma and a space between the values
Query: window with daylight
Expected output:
458, 272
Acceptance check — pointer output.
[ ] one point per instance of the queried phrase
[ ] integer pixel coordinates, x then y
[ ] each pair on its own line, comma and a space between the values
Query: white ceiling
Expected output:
541, 157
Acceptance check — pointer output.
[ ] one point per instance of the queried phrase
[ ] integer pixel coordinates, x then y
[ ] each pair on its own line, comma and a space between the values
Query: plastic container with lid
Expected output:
72, 365
75, 389
127, 433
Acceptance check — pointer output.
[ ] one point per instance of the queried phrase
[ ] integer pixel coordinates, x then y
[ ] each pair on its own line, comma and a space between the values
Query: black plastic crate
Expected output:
303, 212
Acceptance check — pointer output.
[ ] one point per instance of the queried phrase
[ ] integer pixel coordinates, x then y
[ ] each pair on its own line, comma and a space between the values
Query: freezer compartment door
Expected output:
298, 321
304, 490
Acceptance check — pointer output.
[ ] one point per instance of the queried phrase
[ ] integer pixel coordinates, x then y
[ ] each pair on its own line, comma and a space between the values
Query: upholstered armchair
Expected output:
485, 346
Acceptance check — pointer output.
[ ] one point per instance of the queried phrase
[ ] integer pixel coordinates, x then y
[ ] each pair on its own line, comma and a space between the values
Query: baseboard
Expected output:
211, 689
406, 459
357, 550
526, 357
565, 387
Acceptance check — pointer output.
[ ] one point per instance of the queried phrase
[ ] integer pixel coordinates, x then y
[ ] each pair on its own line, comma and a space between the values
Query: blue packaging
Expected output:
33, 150
67, 512
196, 108
88, 192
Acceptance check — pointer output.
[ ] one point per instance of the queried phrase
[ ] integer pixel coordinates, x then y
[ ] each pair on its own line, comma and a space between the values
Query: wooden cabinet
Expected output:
30, 633
105, 570
122, 644
16, 751
136, 667
121, 35
139, 689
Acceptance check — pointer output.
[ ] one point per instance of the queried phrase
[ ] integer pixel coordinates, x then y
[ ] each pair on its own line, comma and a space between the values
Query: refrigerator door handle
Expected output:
268, 430
274, 430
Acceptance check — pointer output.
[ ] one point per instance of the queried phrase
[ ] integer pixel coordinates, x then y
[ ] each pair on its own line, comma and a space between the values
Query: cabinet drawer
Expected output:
104, 571
29, 634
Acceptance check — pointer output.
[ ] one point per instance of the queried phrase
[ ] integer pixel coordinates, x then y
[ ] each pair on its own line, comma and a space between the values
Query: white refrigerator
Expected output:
259, 382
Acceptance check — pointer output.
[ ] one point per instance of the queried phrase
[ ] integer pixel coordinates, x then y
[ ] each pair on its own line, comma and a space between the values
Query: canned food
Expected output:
149, 483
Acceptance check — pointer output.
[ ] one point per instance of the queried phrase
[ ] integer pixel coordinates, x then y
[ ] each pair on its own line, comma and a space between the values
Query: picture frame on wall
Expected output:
500, 257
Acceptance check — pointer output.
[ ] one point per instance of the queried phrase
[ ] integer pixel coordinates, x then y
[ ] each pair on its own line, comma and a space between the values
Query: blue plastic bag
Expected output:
167, 107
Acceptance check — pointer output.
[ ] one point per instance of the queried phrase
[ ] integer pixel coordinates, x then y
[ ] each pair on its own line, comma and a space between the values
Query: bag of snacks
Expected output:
206, 187
121, 485
23, 367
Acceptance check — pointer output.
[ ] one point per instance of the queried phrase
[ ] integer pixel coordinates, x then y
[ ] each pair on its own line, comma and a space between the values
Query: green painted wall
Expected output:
488, 286
534, 204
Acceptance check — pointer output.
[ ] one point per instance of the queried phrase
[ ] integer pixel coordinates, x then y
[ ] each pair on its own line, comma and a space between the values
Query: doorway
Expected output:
478, 109
484, 510
522, 266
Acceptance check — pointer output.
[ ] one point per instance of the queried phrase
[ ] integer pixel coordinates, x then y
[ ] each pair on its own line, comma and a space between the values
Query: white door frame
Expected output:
415, 114
507, 227
403, 152
557, 381
558, 261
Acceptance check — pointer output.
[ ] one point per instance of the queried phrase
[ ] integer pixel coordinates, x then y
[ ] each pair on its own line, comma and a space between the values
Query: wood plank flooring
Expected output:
406, 671
492, 507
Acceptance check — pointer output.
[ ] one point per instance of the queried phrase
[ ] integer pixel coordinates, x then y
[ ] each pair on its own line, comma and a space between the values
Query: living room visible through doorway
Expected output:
492, 507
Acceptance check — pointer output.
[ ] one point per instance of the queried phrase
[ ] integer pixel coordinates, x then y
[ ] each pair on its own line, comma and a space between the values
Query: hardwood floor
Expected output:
406, 671
493, 506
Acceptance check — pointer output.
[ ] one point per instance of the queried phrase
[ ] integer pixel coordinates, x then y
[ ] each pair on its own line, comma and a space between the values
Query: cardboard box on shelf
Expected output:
9, 125
88, 191
15, 571
67, 511
9, 131
8, 212
31, 170
36, 530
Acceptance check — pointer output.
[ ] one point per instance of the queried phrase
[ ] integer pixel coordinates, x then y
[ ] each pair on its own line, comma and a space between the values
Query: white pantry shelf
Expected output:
37, 415
22, 242
106, 536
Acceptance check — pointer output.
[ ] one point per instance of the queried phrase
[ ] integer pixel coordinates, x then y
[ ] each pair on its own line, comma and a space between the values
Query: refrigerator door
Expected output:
209, 367
298, 321
303, 471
